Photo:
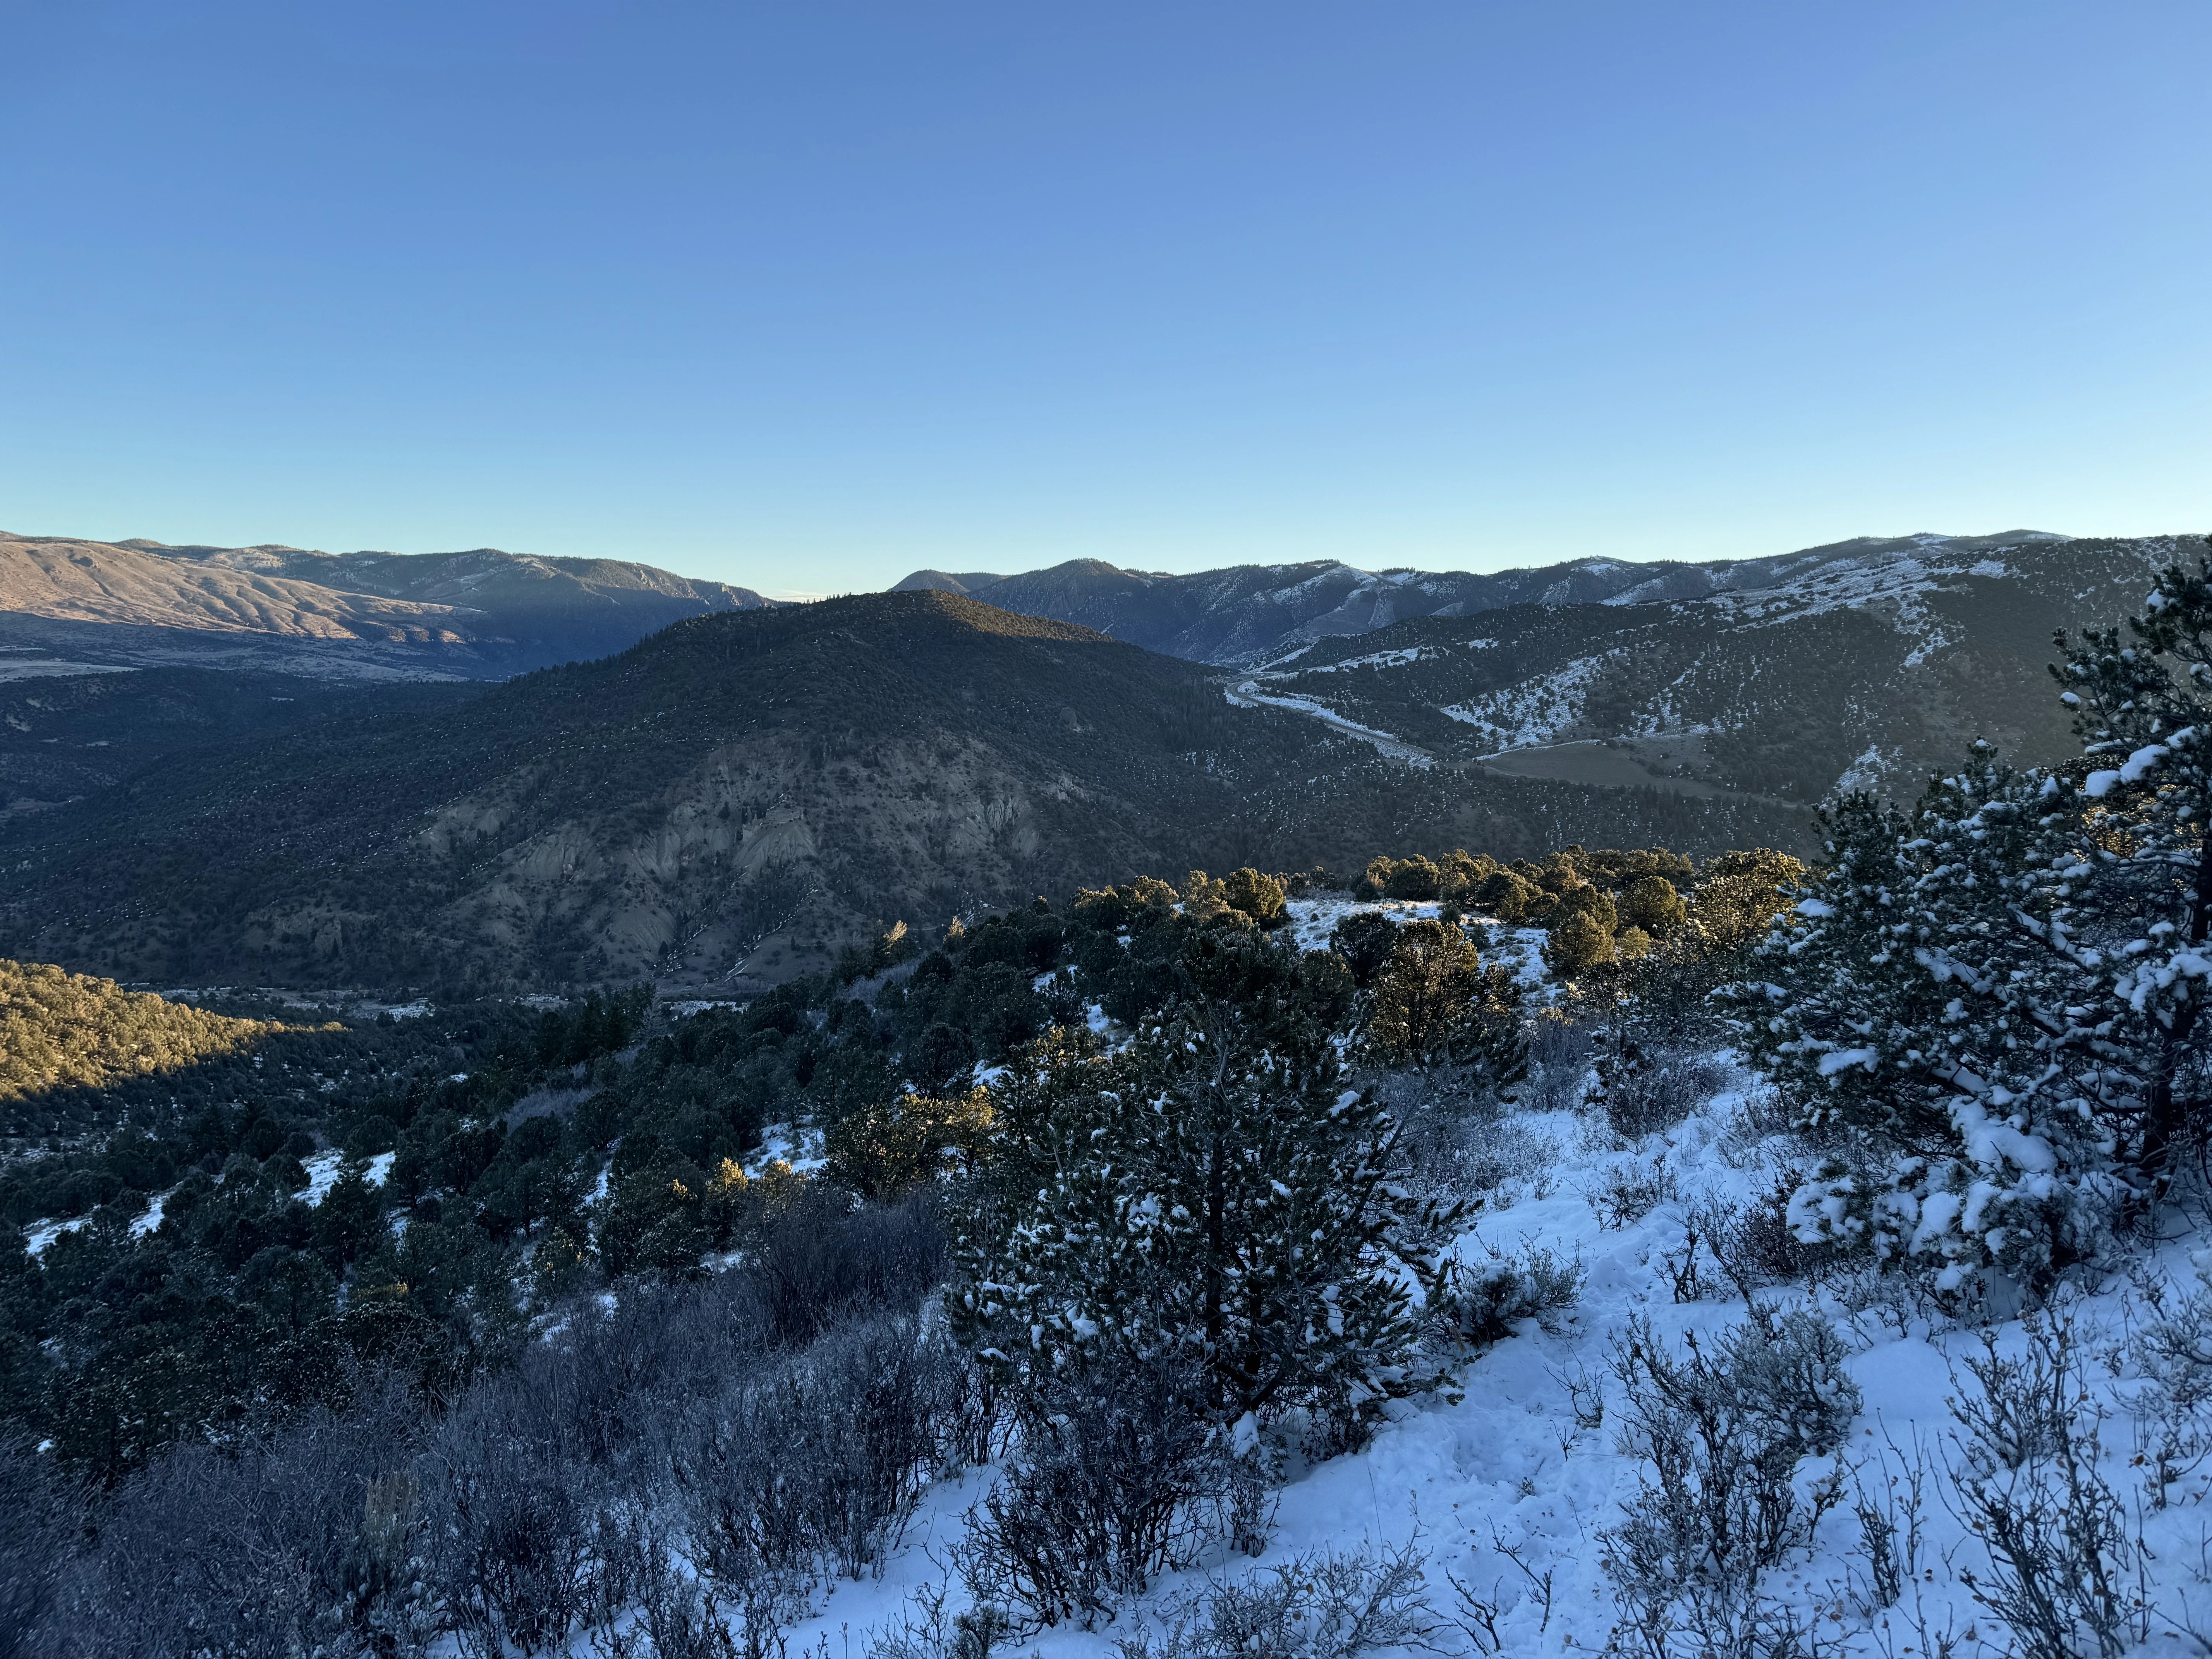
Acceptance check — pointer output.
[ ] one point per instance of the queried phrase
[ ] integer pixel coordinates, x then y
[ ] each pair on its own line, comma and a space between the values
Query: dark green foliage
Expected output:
1212, 1196
1364, 939
1435, 1006
117, 1339
1259, 896
941, 1056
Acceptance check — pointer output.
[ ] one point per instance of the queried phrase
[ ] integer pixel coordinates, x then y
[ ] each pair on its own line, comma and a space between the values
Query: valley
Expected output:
1869, 664
791, 1089
733, 801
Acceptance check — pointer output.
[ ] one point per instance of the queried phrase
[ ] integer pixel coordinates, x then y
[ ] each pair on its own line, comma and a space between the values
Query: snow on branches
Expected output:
1997, 998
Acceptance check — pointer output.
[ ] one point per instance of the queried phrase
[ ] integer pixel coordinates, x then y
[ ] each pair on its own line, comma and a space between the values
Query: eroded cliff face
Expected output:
758, 862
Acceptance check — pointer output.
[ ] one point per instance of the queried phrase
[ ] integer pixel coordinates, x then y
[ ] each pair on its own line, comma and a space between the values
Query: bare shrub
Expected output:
1559, 1055
1323, 1606
876, 1398
530, 1546
1722, 1433
933, 1631
814, 1465
1761, 1118
522, 1518
1117, 1479
1477, 1306
2061, 1554
1684, 1268
312, 1536
822, 1262
1452, 1153
1889, 1512
1753, 1244
1627, 1192
677, 1616
34, 1545
1749, 1247
2170, 1355
1645, 1087
1480, 1611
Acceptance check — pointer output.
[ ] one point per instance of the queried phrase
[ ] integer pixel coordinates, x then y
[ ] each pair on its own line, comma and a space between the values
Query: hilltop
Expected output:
1247, 616
64, 1030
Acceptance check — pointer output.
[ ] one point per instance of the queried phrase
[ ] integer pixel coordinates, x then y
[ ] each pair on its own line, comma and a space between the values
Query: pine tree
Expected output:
1435, 1007
1932, 994
1213, 1194
2004, 994
2138, 873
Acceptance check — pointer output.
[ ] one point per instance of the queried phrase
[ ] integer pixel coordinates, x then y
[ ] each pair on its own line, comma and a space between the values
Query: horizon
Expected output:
805, 303
789, 596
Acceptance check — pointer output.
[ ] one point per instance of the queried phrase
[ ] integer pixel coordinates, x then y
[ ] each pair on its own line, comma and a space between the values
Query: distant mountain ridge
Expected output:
1868, 663
727, 803
67, 605
1246, 615
1873, 671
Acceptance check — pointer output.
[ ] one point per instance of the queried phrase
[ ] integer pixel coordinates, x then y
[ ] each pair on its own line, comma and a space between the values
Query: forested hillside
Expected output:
733, 800
1249, 615
1867, 671
60, 1031
68, 738
437, 1178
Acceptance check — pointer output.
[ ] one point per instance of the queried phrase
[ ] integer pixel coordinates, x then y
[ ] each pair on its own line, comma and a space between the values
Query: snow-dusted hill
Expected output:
1504, 1488
1518, 1459
1866, 669
1247, 616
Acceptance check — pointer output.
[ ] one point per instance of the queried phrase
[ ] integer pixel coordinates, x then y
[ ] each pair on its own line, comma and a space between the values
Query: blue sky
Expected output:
808, 295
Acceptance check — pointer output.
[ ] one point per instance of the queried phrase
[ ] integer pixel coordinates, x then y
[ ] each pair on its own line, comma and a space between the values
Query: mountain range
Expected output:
1248, 616
1868, 663
69, 605
731, 800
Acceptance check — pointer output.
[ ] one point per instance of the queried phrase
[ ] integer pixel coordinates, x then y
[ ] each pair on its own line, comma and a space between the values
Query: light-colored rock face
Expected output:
483, 614
127, 586
740, 865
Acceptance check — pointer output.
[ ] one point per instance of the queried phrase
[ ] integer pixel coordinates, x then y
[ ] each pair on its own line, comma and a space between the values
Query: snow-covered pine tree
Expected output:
2136, 880
2006, 994
1916, 1006
1214, 1194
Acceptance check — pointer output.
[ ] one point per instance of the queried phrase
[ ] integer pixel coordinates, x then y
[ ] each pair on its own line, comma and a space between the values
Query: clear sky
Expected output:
806, 296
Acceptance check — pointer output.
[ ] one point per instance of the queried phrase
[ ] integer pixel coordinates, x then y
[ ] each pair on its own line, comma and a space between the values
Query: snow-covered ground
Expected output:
1536, 711
1248, 694
39, 1233
1503, 1460
1313, 920
326, 1168
796, 1143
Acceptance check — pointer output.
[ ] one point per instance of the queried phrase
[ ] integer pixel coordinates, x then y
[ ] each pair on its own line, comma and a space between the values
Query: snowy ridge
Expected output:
1512, 1459
1378, 659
